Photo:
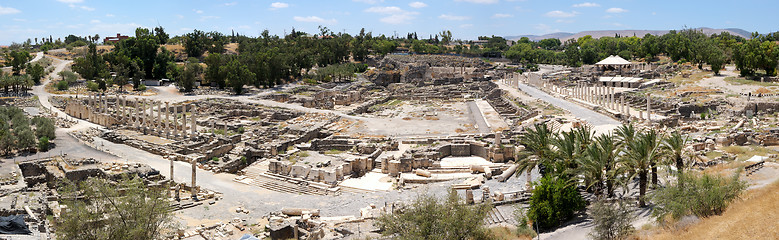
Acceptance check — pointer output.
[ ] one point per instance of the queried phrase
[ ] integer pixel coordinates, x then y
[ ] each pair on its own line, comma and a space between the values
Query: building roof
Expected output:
620, 79
613, 60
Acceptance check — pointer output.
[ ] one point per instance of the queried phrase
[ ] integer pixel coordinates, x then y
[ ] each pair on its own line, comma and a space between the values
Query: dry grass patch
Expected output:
755, 216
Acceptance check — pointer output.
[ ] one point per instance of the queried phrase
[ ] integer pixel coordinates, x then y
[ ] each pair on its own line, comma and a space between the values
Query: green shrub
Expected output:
142, 87
553, 202
215, 159
431, 218
93, 86
62, 85
612, 220
702, 196
43, 144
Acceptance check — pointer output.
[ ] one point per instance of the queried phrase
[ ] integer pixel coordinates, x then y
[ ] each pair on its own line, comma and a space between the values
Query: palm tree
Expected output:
537, 142
674, 148
566, 151
639, 156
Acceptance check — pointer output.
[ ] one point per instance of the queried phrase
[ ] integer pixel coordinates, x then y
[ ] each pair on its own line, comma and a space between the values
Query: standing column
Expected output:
136, 122
175, 122
622, 107
193, 126
159, 118
184, 121
648, 108
194, 177
171, 171
612, 104
167, 118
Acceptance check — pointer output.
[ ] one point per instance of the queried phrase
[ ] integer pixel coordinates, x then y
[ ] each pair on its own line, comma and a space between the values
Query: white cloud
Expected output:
384, 10
231, 4
94, 21
8, 10
19, 20
616, 10
467, 25
479, 1
109, 15
86, 8
587, 4
453, 17
314, 19
278, 5
398, 19
180, 16
417, 5
70, 1
545, 28
197, 11
396, 15
561, 14
502, 15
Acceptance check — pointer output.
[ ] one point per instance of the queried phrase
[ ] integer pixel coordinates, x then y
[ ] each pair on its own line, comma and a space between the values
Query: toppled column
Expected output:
507, 174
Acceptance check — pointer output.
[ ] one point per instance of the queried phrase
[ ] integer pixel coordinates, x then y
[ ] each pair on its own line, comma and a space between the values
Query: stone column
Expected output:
193, 126
184, 121
194, 177
612, 104
159, 118
167, 118
622, 107
175, 122
648, 108
137, 120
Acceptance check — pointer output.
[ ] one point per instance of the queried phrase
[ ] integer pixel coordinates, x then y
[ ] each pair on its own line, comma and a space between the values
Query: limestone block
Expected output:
394, 168
299, 171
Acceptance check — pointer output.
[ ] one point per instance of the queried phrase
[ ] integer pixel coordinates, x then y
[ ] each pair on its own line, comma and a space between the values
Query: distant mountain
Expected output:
563, 36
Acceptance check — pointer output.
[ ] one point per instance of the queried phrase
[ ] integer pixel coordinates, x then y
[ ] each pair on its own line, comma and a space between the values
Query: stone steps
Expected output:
282, 186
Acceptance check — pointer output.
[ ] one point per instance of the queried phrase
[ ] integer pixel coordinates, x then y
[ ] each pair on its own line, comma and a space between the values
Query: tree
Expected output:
92, 66
17, 60
189, 75
553, 202
44, 127
126, 209
214, 73
673, 145
195, 43
236, 75
598, 166
612, 220
25, 138
537, 142
715, 57
36, 72
429, 218
162, 37
641, 153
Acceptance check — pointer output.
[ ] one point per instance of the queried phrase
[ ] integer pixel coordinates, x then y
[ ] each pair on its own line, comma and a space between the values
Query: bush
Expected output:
553, 202
142, 87
612, 220
93, 86
702, 196
43, 144
430, 218
215, 159
62, 85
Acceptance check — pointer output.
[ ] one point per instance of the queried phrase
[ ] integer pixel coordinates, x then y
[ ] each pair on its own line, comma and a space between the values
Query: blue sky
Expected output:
467, 19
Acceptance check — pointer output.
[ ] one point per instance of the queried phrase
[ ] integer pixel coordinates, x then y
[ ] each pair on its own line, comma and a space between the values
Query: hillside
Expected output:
563, 36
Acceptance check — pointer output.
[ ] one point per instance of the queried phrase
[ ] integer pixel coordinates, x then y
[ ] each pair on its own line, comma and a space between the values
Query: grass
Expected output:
746, 152
752, 217
333, 151
744, 81
505, 233
713, 154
